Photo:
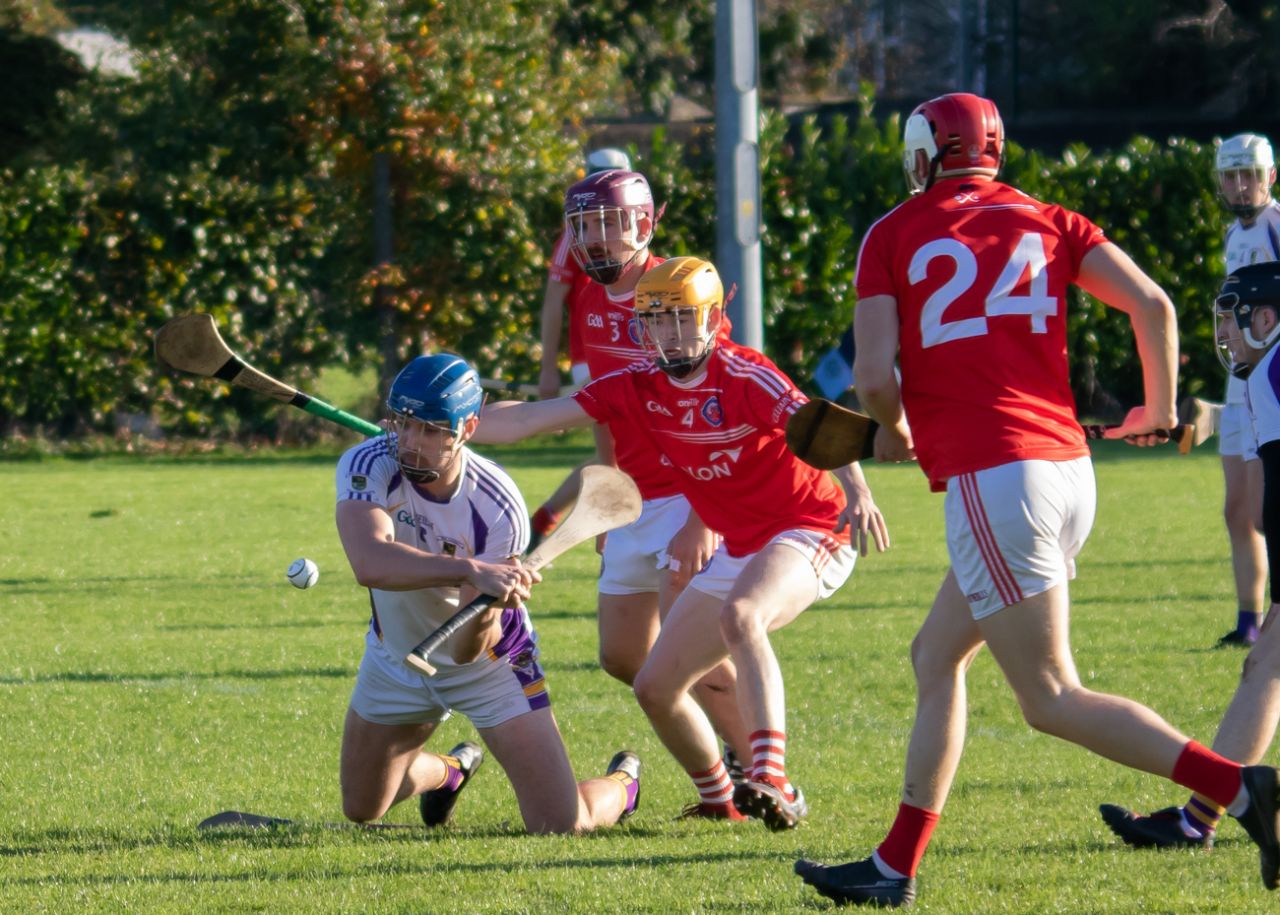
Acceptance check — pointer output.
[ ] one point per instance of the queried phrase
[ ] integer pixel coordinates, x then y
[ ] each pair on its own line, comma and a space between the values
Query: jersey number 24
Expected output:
1027, 256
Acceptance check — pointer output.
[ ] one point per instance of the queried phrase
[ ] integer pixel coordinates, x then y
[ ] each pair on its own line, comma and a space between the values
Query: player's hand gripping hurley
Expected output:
607, 499
191, 343
825, 435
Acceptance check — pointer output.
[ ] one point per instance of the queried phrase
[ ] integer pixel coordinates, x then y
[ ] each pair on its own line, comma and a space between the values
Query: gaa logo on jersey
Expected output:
359, 483
711, 411
449, 548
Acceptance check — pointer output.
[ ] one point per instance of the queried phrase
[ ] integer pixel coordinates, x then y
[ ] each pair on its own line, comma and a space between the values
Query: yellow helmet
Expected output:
679, 285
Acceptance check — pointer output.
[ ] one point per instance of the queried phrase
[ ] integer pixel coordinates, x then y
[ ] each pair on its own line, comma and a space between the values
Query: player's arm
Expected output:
510, 421
483, 632
1110, 275
553, 299
378, 561
875, 332
861, 513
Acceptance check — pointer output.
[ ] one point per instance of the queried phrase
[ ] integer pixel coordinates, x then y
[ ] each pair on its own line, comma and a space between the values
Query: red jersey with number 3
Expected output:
980, 271
722, 431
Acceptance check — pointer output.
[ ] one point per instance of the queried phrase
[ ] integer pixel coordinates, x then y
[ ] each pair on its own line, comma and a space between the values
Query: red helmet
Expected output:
959, 133
610, 218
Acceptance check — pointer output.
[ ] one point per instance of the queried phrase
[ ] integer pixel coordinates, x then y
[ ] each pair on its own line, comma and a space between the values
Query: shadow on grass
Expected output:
178, 676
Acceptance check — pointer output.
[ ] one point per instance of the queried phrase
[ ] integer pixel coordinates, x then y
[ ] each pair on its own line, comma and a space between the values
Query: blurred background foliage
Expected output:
231, 172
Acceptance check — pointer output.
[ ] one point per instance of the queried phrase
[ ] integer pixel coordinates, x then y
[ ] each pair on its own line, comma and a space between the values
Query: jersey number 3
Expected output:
1027, 256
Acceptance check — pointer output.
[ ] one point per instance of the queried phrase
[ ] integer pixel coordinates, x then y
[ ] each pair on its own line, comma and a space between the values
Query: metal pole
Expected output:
738, 166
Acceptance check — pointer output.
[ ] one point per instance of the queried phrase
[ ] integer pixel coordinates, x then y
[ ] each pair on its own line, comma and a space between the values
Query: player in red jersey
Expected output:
965, 285
565, 282
609, 220
716, 412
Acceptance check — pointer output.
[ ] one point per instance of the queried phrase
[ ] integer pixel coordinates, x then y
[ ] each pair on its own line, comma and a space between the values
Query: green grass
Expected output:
157, 668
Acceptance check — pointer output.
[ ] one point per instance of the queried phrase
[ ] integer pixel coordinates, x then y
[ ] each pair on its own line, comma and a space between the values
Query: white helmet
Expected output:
1245, 162
605, 158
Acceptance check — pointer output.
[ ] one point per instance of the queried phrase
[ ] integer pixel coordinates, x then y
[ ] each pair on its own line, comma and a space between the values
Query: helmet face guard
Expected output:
680, 304
430, 402
1245, 168
609, 217
1249, 289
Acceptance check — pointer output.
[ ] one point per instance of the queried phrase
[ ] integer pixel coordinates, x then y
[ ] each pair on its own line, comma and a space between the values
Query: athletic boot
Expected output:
737, 774
1259, 819
764, 800
1238, 639
859, 882
627, 767
1162, 829
436, 806
705, 811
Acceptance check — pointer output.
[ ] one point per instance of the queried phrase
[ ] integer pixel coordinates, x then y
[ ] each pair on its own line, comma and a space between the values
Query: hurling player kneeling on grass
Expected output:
427, 525
965, 284
717, 412
1248, 313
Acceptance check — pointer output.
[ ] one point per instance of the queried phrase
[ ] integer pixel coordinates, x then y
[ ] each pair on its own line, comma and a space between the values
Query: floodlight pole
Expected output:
738, 166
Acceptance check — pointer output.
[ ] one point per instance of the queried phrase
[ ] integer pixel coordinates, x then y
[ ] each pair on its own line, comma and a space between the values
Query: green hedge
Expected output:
95, 256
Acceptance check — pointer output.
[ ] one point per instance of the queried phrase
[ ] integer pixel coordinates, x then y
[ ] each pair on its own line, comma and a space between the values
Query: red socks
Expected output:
1207, 773
909, 836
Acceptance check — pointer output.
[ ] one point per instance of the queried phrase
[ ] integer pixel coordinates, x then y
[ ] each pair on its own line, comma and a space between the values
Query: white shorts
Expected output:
1013, 531
1235, 433
579, 373
635, 555
832, 563
505, 684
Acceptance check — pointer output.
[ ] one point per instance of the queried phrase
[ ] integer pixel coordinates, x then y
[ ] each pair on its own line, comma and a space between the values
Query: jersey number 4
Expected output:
1027, 256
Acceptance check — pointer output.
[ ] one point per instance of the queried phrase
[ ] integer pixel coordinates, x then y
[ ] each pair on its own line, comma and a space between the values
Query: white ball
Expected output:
303, 573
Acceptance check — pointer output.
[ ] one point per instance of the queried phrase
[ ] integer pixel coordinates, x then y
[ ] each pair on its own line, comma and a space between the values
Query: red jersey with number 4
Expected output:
723, 433
980, 271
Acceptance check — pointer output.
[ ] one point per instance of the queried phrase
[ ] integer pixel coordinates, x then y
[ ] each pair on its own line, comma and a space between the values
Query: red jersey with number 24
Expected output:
980, 271
722, 431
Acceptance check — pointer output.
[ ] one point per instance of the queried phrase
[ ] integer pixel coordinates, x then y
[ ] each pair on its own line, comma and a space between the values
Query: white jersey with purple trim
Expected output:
1263, 399
1258, 243
485, 519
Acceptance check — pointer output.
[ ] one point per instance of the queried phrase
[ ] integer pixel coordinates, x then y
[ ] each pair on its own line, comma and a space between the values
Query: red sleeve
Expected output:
1080, 235
769, 394
599, 398
874, 274
564, 266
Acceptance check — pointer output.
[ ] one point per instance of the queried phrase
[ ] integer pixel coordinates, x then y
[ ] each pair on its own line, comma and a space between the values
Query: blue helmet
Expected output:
441, 389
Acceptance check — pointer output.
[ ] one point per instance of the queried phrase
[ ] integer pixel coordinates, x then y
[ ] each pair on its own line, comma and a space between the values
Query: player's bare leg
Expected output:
774, 587
717, 690
1241, 503
383, 764
941, 653
1030, 641
531, 751
628, 627
1246, 730
689, 645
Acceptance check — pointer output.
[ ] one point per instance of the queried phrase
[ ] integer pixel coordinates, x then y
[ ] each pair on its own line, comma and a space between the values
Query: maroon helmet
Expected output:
610, 218
959, 133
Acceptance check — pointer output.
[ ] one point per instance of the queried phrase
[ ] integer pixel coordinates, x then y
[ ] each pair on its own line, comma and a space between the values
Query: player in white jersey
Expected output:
427, 525
1248, 314
1246, 171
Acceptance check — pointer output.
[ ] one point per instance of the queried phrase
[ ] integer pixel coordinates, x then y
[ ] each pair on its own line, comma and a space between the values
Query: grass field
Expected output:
157, 668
